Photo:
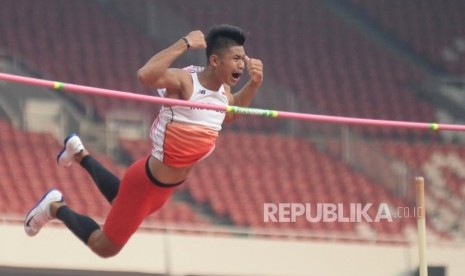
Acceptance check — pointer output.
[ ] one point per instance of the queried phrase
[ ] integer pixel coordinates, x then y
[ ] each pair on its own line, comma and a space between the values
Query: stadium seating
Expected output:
28, 169
327, 64
323, 60
446, 160
338, 70
431, 28
443, 167
248, 170
78, 43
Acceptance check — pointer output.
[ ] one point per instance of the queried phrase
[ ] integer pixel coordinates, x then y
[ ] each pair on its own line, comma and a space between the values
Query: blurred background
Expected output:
380, 59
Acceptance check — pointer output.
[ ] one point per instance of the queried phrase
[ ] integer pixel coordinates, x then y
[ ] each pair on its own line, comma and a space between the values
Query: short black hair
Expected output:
222, 37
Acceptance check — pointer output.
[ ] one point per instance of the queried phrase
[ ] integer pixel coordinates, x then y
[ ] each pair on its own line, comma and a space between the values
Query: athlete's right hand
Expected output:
196, 40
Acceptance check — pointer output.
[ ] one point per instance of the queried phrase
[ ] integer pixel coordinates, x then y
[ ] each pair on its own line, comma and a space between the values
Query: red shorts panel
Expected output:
185, 144
137, 198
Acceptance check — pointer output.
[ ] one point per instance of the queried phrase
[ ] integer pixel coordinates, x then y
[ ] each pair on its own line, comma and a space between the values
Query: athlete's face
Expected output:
230, 65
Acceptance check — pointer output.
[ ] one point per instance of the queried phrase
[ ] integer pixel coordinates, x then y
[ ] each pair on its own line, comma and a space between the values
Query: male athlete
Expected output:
181, 137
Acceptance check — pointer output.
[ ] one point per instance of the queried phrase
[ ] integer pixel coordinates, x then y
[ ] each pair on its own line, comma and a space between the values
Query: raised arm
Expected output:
156, 72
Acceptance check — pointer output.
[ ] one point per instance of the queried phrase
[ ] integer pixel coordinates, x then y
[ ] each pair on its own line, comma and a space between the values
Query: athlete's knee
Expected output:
107, 252
102, 246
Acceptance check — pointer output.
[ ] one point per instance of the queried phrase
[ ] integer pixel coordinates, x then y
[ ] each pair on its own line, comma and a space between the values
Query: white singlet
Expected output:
182, 135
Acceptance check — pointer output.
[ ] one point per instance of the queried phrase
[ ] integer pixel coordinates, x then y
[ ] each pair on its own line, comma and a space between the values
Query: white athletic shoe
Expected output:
40, 213
72, 146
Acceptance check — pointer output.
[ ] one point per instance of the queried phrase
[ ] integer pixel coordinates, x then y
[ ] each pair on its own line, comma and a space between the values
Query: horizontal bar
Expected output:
67, 87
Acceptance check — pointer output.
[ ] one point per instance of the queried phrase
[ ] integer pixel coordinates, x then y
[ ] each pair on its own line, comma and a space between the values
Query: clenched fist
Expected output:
196, 40
255, 69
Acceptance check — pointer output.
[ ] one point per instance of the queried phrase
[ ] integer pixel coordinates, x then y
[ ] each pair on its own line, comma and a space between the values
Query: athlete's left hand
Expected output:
255, 69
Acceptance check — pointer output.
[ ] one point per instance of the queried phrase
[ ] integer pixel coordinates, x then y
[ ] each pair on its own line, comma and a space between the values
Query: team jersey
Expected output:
182, 135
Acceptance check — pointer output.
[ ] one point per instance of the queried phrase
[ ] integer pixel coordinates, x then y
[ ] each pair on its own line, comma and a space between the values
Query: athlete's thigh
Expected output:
131, 205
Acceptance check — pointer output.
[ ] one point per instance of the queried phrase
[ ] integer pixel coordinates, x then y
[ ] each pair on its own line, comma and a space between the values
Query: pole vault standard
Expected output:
421, 225
81, 89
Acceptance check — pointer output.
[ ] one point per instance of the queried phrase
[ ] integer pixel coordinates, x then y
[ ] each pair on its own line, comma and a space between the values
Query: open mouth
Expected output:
236, 76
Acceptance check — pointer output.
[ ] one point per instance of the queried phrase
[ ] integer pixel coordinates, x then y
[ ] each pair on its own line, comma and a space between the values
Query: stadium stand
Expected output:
236, 183
84, 51
28, 168
323, 60
431, 28
443, 166
327, 63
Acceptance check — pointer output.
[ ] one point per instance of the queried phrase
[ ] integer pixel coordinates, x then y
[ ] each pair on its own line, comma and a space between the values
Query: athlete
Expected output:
181, 137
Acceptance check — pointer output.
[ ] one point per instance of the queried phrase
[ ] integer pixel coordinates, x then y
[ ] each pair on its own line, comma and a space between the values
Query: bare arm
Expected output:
156, 72
246, 94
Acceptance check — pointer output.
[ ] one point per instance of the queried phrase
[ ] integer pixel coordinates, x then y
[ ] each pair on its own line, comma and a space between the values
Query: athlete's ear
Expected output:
214, 60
